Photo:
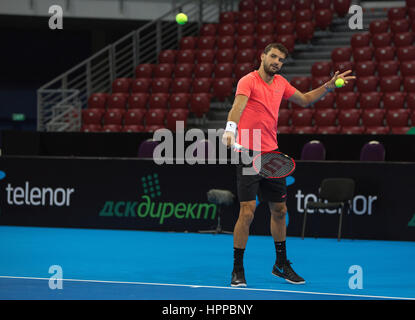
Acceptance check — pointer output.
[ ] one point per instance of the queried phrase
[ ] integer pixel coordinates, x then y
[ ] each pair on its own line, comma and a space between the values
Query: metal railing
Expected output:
119, 60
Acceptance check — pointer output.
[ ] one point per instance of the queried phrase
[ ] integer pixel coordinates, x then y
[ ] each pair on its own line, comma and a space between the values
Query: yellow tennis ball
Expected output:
339, 83
181, 18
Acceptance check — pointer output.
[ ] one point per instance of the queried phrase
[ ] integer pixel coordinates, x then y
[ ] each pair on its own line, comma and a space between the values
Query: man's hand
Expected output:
331, 84
228, 138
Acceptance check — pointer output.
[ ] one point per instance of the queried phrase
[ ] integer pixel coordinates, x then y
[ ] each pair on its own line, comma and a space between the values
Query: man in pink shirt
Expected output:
257, 101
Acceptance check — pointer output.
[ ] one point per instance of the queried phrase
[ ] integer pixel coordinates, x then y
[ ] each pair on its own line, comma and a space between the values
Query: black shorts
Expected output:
249, 186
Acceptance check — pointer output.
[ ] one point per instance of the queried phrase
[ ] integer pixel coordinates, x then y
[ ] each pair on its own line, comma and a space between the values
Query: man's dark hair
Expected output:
278, 46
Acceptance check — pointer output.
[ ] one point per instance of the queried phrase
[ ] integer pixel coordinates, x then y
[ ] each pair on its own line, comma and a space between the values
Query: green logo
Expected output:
151, 185
412, 222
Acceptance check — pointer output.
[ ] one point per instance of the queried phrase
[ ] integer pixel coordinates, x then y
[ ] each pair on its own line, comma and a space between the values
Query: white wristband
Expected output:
231, 126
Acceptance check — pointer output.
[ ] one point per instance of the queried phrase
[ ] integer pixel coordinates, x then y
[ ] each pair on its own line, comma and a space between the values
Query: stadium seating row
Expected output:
343, 130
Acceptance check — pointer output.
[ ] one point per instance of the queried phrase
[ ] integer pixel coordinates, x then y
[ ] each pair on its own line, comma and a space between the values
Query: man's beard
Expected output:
270, 72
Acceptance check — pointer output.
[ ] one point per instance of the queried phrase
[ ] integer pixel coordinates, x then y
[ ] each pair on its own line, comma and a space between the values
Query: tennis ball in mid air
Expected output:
339, 83
181, 18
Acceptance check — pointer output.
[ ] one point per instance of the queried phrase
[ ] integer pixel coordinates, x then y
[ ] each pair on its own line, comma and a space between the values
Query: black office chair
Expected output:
338, 192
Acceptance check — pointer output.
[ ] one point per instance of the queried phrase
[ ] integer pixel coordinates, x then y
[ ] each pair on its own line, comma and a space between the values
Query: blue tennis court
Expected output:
144, 265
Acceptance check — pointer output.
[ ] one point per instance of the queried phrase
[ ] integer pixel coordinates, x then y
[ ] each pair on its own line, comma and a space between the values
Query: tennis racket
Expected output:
270, 164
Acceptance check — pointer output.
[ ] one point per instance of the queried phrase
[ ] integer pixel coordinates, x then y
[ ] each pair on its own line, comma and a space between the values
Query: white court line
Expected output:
211, 287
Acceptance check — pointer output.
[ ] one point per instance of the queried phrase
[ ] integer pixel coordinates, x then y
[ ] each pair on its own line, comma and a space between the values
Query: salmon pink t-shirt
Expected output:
261, 111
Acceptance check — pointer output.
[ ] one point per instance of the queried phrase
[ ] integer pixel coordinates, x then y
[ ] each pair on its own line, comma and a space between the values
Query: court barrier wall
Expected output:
134, 194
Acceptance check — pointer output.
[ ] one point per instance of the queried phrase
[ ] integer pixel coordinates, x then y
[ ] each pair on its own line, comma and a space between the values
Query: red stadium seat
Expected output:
343, 66
141, 85
264, 28
377, 130
388, 68
304, 130
400, 130
265, 16
134, 117
227, 17
341, 7
164, 70
394, 100
373, 117
285, 28
183, 70
111, 128
382, 39
284, 5
325, 117
319, 81
226, 29
284, 116
262, 41
303, 15
185, 56
385, 54
397, 118
409, 84
176, 115
222, 88
397, 13
304, 31
347, 100
161, 85
352, 130
284, 104
413, 117
265, 5
349, 117
282, 16
144, 70
225, 56
341, 54
285, 129
370, 100
390, 83
328, 130
303, 84
365, 68
403, 39
379, 26
323, 18
363, 54
205, 56
167, 56
181, 85
155, 117
326, 102
398, 26
188, 43
322, 4
246, 5
247, 16
245, 42
205, 42
245, 55
158, 101
201, 85
302, 117
360, 40
133, 128
242, 69
209, 29
117, 101
179, 101
203, 70
321, 69
92, 116
410, 101
97, 101
288, 40
303, 4
223, 70
367, 84
225, 42
200, 104
138, 100
154, 127
91, 128
406, 53
114, 116
121, 85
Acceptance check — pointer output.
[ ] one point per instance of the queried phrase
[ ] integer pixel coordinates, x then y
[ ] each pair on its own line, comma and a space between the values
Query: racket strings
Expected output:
273, 165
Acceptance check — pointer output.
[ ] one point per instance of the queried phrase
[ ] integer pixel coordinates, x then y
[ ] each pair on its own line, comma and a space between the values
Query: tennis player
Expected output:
257, 101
